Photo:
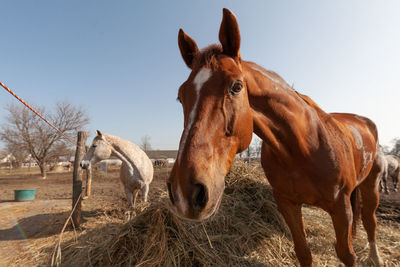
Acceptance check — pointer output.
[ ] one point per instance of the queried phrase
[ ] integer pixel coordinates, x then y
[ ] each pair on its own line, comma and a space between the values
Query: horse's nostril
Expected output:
200, 196
171, 197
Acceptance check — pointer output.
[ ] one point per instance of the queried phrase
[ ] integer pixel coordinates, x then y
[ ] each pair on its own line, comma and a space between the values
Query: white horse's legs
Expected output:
132, 201
145, 192
135, 193
129, 197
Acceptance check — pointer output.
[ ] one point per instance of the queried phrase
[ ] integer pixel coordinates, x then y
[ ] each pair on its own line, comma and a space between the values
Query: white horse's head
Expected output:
98, 151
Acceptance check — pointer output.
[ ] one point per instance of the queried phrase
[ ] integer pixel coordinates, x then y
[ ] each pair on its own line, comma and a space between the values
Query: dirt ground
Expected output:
25, 225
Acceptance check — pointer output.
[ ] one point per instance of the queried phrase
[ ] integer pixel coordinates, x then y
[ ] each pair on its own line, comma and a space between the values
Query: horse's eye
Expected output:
178, 99
94, 145
236, 88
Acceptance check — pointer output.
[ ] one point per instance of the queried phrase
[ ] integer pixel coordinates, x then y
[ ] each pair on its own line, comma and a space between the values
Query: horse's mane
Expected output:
207, 56
308, 100
120, 142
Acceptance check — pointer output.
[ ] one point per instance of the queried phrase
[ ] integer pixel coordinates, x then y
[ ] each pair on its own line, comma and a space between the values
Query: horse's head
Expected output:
99, 150
217, 122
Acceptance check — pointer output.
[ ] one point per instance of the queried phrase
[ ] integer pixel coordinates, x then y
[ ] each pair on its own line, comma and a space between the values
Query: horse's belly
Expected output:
297, 189
304, 187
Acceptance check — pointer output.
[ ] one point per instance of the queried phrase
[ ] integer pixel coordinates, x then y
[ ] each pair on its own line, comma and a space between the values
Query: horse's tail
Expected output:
355, 199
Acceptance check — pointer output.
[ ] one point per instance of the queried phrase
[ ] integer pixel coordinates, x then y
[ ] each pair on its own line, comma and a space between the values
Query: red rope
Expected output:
37, 113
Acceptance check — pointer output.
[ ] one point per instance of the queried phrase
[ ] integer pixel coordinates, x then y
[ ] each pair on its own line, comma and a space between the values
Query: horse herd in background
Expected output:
391, 169
329, 160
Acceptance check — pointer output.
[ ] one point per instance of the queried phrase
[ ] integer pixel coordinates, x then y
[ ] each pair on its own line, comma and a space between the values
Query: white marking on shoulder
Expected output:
367, 159
201, 77
357, 136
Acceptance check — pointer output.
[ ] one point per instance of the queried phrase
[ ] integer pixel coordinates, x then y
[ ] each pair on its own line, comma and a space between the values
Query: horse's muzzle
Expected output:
192, 203
84, 164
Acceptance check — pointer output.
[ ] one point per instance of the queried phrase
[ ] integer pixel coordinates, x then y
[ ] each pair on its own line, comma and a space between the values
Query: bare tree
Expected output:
145, 144
249, 151
396, 147
257, 147
27, 131
61, 152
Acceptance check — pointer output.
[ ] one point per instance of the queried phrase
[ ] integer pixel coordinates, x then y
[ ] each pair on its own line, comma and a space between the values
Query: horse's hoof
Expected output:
374, 255
85, 197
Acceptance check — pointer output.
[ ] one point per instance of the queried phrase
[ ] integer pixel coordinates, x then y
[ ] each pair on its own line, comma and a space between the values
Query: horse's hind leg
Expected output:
385, 179
342, 218
383, 183
292, 214
370, 202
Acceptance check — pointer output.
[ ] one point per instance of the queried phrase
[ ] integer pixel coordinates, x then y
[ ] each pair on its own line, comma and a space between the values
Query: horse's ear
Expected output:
188, 48
229, 34
98, 133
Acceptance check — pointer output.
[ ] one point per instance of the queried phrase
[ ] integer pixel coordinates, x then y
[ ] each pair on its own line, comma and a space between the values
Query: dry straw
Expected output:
246, 228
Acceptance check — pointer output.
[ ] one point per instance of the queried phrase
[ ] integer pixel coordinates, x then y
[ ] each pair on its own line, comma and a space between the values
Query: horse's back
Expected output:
143, 167
361, 123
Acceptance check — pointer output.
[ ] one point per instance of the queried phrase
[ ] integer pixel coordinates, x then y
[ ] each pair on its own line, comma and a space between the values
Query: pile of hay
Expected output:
247, 230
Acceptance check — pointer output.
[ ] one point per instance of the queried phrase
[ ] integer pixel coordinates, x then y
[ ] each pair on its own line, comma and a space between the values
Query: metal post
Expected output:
77, 178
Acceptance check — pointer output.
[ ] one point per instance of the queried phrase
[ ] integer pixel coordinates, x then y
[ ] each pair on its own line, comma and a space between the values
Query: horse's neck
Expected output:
286, 121
120, 153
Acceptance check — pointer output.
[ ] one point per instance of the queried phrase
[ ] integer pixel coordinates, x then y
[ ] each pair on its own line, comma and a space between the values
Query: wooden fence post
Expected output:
77, 178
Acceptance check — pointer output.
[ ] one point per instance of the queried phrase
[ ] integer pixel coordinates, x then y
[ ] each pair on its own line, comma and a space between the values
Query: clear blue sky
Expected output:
120, 59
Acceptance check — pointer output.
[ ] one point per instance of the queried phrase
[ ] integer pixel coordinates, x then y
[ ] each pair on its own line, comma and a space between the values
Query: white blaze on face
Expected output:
201, 77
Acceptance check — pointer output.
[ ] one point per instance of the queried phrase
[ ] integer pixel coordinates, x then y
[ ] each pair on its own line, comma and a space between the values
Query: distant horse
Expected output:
136, 171
383, 181
392, 170
160, 163
309, 156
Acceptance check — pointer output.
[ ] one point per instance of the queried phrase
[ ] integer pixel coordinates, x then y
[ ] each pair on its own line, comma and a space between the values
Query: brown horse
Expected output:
308, 156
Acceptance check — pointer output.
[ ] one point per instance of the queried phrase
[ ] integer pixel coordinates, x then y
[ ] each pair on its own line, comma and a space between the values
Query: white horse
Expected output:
136, 171
384, 171
393, 170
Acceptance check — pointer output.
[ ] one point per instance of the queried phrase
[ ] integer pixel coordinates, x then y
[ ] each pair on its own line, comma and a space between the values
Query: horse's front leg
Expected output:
292, 214
145, 191
342, 218
395, 180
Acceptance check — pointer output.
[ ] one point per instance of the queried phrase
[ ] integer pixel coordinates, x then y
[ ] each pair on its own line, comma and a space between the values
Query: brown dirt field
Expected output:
23, 225
26, 226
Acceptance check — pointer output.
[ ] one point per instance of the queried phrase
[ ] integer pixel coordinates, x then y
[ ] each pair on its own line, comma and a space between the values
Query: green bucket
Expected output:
24, 194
